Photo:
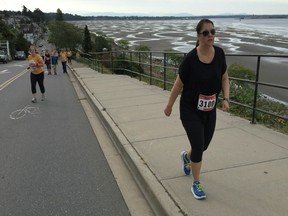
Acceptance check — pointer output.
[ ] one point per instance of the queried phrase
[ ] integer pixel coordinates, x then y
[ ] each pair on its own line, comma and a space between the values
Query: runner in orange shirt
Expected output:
37, 73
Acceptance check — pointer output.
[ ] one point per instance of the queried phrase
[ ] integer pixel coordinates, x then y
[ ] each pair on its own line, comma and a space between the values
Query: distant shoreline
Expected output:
131, 16
115, 16
240, 16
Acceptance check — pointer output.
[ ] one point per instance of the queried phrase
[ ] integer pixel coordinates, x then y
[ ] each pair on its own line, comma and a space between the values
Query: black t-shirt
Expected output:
47, 58
200, 79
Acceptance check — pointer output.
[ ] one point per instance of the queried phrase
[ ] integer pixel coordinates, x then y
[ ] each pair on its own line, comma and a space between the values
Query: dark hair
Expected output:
200, 25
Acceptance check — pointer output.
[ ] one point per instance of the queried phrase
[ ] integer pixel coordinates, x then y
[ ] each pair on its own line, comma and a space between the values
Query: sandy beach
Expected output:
180, 36
272, 70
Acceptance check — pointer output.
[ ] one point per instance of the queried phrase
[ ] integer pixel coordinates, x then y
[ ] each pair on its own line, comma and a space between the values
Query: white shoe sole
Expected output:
197, 197
182, 159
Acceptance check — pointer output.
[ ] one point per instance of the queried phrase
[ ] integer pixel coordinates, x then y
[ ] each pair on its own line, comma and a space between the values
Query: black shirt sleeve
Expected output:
186, 66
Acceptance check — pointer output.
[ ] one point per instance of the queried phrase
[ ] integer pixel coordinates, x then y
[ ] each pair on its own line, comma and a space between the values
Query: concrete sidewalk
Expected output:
245, 170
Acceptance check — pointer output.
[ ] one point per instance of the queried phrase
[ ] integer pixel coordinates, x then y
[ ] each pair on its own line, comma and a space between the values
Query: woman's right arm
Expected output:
177, 87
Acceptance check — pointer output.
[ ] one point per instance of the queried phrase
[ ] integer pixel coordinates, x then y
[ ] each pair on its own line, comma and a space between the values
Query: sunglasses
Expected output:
206, 32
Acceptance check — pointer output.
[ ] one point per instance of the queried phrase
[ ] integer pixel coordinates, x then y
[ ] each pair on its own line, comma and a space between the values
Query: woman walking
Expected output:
37, 73
202, 75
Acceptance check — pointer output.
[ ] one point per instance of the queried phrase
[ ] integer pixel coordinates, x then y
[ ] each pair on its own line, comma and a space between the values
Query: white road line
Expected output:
4, 71
5, 84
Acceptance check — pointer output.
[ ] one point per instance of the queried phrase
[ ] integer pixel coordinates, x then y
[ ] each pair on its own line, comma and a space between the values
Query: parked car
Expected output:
20, 55
3, 56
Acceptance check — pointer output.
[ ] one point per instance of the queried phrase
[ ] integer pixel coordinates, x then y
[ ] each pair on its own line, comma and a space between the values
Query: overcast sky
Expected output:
152, 7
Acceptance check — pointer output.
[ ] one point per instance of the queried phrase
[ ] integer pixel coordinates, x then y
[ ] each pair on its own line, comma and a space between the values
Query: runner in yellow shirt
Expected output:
63, 57
37, 73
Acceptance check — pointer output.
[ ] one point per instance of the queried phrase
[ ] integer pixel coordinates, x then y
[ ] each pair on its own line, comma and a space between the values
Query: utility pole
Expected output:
4, 45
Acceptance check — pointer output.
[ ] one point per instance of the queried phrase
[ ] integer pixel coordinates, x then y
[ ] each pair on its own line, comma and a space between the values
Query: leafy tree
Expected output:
103, 42
100, 43
238, 71
64, 35
144, 50
38, 15
174, 58
123, 44
123, 66
87, 43
15, 38
6, 33
24, 11
21, 43
59, 15
30, 14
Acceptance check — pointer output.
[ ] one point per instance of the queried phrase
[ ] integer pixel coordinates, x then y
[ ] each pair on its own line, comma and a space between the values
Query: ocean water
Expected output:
265, 33
269, 35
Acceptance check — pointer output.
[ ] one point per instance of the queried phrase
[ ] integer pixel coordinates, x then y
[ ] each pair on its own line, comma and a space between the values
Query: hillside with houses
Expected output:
18, 30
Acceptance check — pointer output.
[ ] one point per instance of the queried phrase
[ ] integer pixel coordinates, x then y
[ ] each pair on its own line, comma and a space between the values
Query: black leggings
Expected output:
200, 132
64, 66
34, 78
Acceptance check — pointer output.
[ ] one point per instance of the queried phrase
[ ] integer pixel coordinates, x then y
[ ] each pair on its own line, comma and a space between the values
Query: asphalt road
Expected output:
50, 160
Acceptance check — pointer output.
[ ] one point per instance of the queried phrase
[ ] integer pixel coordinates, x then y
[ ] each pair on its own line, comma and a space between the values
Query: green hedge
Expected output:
243, 93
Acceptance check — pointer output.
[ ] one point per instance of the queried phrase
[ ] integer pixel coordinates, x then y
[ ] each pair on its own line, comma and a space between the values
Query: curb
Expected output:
156, 195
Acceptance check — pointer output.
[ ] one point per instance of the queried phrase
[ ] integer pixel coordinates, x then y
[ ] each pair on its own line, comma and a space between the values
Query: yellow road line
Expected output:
5, 84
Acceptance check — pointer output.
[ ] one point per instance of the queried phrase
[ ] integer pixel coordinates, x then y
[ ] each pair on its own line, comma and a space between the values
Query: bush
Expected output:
243, 93
124, 66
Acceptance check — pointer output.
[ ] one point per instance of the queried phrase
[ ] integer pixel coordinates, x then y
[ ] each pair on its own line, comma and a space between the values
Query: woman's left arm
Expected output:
226, 91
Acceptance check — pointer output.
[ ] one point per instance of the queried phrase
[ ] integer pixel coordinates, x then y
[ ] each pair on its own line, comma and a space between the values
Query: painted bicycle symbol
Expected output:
20, 113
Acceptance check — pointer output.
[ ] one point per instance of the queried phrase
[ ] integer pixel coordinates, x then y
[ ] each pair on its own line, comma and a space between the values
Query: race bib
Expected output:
206, 103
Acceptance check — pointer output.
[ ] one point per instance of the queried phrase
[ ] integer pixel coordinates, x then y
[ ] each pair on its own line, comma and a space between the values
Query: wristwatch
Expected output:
227, 99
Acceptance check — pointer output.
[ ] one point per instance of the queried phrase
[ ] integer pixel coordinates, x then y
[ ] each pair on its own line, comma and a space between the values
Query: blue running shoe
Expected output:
185, 162
197, 190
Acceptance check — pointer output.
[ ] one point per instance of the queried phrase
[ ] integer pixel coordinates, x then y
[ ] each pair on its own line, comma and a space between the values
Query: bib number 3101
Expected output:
206, 103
